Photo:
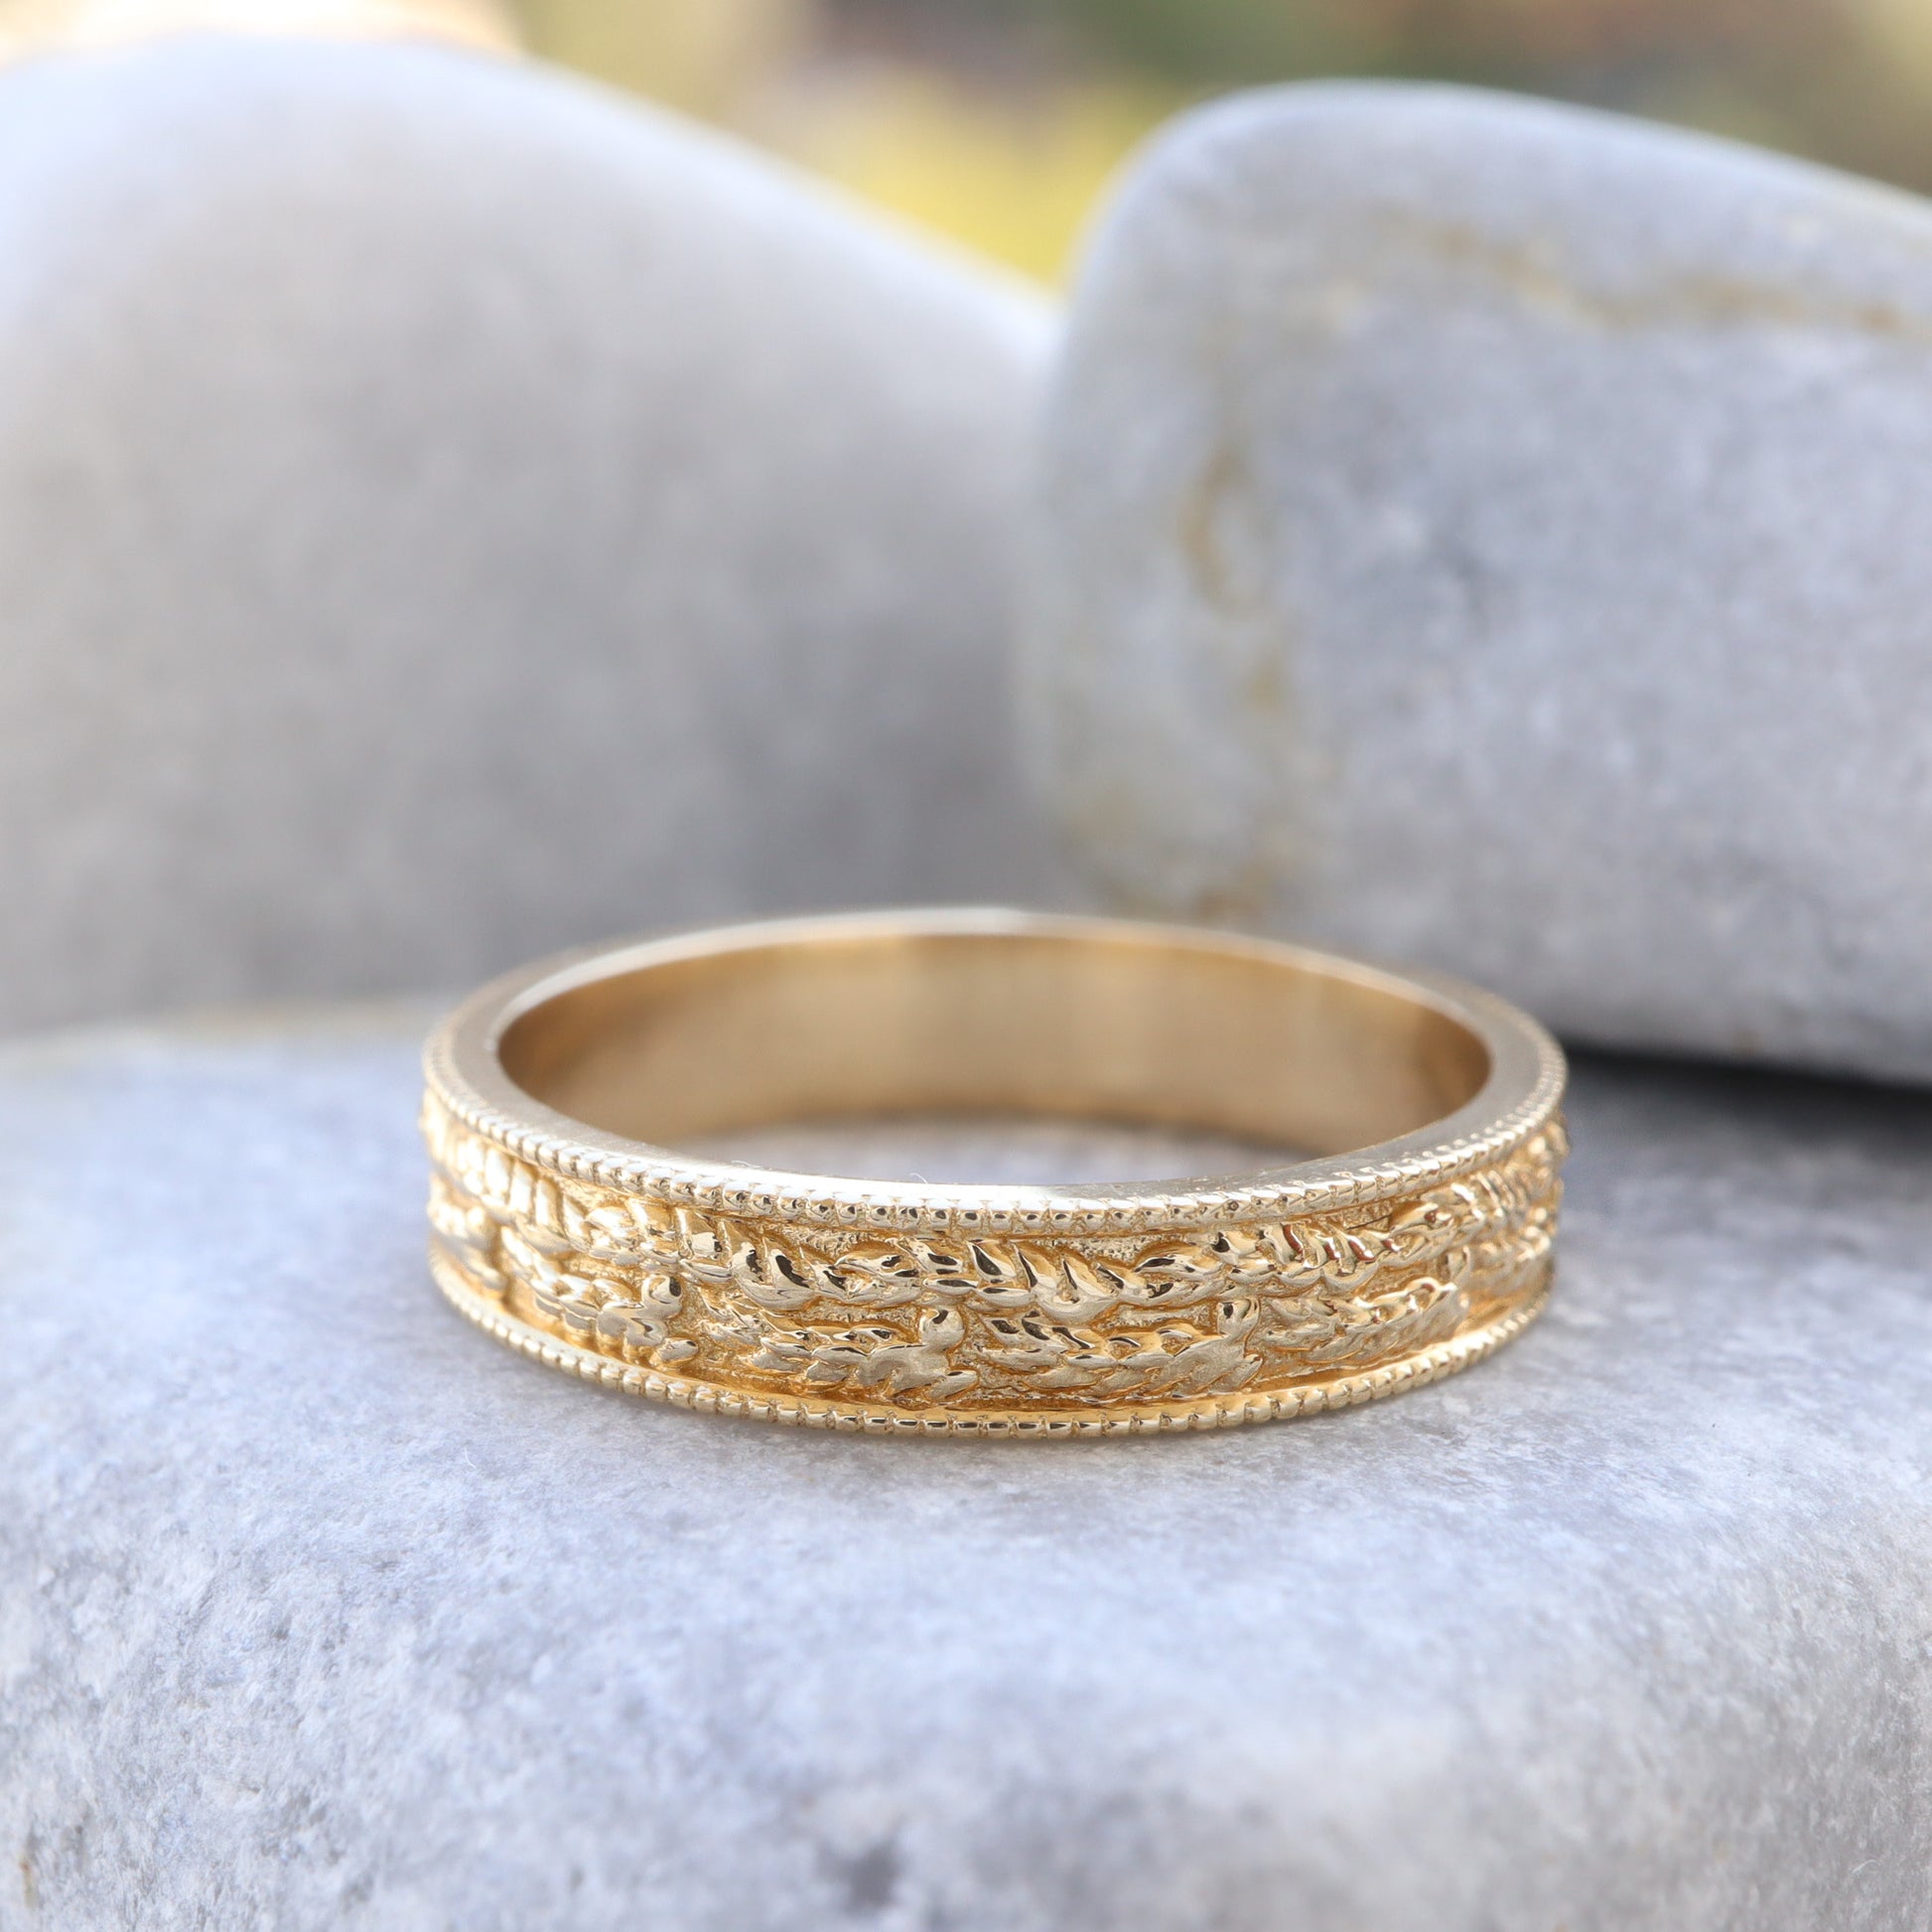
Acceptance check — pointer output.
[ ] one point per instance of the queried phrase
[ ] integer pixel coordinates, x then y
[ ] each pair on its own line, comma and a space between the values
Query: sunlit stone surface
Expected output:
447, 513
316, 1609
1493, 534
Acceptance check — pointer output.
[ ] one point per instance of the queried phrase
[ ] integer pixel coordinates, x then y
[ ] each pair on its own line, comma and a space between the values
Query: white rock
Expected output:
318, 1608
1497, 533
445, 511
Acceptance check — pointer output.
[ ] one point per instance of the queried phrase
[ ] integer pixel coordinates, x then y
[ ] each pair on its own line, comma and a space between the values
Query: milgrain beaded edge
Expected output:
849, 1204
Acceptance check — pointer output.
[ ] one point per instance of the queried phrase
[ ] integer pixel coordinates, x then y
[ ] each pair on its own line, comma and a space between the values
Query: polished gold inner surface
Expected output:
1266, 1046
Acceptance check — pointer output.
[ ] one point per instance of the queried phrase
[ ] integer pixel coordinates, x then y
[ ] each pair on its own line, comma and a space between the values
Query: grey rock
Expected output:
1495, 533
316, 1609
447, 512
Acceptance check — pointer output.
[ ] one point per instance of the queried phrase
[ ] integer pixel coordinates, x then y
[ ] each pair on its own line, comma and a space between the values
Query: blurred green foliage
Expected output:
1000, 119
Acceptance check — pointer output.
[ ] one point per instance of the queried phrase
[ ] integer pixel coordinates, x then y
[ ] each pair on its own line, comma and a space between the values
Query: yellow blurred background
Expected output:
997, 121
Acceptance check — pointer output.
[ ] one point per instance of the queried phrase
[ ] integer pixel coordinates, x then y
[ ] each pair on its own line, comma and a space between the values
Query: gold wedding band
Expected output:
1400, 1229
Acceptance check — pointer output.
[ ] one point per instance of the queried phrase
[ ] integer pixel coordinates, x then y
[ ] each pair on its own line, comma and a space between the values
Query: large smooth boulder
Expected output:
1497, 533
319, 1608
447, 512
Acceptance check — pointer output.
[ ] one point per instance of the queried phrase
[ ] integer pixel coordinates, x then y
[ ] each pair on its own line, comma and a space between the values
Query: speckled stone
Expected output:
448, 511
315, 1608
1494, 532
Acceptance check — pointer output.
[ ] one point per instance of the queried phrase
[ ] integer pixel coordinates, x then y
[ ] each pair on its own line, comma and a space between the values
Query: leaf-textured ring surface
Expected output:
564, 1229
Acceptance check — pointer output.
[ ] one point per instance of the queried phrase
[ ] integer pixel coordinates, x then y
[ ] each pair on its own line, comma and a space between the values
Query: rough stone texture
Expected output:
315, 1608
1496, 533
447, 512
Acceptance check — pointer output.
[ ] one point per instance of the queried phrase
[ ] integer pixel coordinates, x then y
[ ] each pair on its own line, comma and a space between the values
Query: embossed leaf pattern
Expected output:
992, 1322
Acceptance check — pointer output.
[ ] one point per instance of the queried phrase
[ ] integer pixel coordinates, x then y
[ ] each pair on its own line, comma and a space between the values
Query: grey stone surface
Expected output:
316, 1609
447, 512
1495, 533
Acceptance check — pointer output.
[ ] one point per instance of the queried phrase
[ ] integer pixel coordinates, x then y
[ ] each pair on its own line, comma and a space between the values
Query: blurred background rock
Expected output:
997, 121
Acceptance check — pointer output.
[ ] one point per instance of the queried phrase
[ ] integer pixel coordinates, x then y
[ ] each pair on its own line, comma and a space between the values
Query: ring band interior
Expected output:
1121, 1024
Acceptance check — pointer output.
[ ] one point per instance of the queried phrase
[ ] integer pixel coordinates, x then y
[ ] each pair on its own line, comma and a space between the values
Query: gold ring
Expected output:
1396, 1225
